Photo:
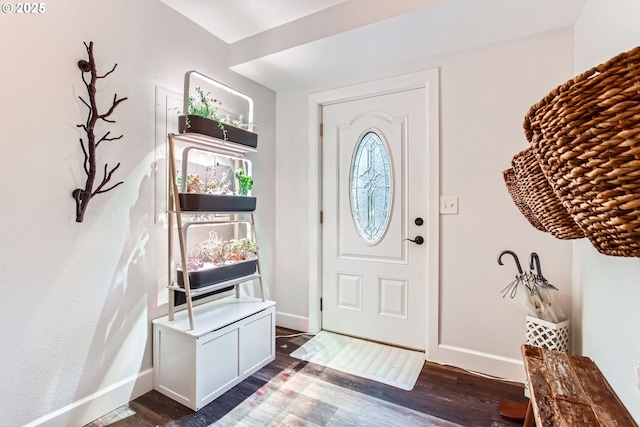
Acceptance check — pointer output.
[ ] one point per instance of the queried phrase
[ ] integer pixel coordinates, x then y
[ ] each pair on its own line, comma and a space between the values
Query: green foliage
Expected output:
245, 181
202, 105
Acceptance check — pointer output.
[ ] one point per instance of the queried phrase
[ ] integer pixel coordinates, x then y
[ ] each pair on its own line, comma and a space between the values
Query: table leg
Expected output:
529, 420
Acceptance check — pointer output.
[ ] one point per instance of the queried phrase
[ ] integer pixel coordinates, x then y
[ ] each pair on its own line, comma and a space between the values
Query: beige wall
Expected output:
607, 289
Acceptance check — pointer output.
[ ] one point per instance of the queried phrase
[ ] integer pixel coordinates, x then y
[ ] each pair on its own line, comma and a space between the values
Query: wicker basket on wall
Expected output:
586, 135
513, 188
536, 192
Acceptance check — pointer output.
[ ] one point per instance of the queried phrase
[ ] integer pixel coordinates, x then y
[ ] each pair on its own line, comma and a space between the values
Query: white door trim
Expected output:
428, 79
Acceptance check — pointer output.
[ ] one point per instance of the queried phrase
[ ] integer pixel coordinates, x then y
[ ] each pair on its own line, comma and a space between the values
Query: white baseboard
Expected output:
99, 403
292, 321
484, 363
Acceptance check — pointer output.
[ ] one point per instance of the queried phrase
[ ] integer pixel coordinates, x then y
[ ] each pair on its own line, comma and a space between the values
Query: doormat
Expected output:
389, 365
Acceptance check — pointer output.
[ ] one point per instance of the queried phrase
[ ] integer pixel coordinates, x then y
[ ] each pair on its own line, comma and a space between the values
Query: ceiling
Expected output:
233, 20
288, 44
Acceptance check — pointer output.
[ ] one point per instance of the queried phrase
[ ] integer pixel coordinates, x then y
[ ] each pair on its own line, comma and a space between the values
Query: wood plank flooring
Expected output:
291, 392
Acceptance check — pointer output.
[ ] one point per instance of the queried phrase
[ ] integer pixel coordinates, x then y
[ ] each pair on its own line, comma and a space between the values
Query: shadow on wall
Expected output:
125, 311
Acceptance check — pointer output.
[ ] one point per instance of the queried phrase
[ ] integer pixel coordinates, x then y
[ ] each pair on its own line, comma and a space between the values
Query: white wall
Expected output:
78, 297
485, 94
607, 288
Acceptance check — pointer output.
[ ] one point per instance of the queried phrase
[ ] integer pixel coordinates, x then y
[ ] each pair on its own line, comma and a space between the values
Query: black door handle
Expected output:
418, 240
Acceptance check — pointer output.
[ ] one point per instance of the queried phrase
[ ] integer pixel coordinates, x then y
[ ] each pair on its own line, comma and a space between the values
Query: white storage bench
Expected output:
232, 338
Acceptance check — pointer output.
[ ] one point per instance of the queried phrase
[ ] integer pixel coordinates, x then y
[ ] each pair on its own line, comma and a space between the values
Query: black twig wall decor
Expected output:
89, 147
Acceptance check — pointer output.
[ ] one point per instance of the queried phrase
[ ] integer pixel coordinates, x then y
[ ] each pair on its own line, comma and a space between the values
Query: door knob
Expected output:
419, 221
418, 240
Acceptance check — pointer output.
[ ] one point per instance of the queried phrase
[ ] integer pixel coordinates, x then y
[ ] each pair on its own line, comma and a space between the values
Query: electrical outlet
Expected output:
449, 205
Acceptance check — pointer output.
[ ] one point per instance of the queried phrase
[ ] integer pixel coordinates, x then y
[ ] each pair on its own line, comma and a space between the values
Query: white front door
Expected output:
374, 197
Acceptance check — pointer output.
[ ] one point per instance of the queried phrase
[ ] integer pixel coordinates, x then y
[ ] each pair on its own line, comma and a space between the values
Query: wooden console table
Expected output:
569, 391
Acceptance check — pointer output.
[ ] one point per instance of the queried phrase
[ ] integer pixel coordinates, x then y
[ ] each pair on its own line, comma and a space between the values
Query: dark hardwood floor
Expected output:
291, 392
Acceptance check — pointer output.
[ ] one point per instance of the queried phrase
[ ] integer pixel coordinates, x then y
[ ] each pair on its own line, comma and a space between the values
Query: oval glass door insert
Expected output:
371, 187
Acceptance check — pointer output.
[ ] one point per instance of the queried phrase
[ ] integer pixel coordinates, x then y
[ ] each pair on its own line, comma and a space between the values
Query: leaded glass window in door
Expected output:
371, 187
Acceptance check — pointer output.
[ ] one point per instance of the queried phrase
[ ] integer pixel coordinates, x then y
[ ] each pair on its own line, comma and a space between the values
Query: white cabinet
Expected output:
232, 339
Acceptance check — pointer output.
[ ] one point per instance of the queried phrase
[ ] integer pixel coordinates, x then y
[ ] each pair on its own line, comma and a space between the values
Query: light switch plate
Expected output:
449, 205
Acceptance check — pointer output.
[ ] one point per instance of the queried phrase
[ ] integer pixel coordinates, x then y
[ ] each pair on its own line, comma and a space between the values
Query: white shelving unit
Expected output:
202, 351
180, 222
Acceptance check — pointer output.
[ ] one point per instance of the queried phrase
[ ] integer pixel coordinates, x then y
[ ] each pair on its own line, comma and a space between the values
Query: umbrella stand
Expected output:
515, 411
546, 324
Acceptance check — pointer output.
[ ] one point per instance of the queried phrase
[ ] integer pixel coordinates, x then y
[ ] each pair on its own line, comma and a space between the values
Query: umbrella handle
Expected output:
534, 258
515, 258
540, 279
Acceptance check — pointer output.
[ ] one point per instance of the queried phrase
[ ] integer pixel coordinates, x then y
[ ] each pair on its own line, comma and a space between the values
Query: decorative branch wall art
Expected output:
89, 147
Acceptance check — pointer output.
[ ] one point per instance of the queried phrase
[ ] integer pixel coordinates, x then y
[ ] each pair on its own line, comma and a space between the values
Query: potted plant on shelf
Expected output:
214, 194
217, 260
245, 182
204, 117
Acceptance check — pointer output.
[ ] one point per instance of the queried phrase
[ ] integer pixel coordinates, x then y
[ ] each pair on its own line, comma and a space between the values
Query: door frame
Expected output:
428, 79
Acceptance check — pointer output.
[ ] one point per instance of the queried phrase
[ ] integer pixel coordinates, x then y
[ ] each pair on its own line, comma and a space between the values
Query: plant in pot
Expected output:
211, 185
217, 260
218, 185
245, 182
213, 193
203, 105
192, 184
240, 250
204, 115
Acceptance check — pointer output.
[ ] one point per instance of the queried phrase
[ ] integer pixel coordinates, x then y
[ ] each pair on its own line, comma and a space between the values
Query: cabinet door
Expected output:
257, 341
218, 362
172, 353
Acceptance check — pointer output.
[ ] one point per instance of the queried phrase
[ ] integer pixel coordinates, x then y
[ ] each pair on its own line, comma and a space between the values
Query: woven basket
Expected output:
586, 135
536, 192
513, 188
